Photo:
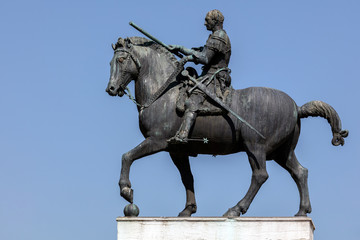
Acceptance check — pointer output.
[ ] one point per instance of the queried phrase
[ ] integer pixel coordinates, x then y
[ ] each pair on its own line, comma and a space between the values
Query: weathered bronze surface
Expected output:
215, 56
168, 101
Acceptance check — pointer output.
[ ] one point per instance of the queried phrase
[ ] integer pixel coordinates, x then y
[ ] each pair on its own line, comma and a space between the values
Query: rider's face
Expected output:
209, 23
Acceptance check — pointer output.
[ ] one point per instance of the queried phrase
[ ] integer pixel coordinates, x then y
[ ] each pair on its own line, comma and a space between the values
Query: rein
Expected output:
162, 89
135, 60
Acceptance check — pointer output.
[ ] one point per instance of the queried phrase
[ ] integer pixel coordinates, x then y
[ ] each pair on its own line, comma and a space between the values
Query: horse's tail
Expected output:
322, 109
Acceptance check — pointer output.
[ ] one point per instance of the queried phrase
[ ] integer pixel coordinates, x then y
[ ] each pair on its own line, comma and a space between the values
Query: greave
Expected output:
186, 125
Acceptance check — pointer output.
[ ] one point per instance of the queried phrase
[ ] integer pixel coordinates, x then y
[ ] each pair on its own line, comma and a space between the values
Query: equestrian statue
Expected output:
187, 114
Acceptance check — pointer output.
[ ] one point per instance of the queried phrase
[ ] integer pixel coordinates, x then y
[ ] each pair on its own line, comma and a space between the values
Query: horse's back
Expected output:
270, 111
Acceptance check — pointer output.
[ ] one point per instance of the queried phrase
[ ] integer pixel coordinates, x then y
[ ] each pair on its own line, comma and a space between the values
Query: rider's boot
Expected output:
183, 133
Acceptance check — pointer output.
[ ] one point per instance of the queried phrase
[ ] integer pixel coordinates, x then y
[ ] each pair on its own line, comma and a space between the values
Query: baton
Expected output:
154, 38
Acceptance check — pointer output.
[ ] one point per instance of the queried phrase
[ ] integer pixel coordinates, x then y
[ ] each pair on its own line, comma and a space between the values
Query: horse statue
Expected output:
271, 112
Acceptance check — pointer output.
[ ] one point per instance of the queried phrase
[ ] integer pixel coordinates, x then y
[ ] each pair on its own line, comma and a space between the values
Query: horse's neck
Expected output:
155, 70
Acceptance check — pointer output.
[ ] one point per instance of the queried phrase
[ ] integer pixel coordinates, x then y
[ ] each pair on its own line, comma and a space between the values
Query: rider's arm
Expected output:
182, 49
203, 57
216, 43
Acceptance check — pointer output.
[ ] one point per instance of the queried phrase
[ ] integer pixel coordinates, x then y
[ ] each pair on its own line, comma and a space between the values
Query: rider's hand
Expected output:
174, 48
199, 49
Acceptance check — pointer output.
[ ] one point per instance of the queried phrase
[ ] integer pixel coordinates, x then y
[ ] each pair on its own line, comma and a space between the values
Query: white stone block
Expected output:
215, 228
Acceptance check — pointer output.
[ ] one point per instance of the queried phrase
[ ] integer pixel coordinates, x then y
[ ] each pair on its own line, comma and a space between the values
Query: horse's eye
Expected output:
120, 60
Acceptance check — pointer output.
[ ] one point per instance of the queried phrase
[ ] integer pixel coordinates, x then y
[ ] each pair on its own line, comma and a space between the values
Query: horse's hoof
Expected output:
231, 213
184, 213
303, 211
127, 193
188, 211
301, 214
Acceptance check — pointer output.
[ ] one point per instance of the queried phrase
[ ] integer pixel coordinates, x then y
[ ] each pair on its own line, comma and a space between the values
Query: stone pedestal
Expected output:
214, 228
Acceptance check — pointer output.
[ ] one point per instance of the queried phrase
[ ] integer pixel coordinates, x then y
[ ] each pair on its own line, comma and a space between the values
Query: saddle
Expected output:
208, 107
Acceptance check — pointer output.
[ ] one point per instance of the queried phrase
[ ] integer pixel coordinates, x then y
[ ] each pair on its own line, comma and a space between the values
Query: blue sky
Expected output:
62, 135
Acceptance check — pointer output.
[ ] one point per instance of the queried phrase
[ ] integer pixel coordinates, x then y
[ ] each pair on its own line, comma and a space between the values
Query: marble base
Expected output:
214, 228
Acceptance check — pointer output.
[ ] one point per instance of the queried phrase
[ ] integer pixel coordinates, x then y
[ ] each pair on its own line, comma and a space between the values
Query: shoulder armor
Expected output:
219, 42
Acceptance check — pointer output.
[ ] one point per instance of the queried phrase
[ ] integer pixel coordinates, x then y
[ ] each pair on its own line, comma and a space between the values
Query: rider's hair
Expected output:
216, 15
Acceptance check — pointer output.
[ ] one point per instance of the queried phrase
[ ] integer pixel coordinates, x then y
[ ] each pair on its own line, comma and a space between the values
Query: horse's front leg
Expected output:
147, 147
181, 161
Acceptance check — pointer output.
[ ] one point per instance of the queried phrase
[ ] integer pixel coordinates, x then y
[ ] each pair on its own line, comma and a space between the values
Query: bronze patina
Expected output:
215, 56
177, 116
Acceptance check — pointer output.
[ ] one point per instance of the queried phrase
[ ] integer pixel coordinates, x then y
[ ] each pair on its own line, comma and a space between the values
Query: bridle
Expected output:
127, 62
160, 91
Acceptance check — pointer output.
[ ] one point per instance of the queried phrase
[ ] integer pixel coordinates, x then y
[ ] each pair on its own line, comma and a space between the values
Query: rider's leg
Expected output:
186, 125
192, 106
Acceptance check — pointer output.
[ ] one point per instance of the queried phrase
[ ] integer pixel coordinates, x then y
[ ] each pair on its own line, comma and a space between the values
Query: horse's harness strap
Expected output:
161, 90
135, 60
170, 79
219, 70
203, 79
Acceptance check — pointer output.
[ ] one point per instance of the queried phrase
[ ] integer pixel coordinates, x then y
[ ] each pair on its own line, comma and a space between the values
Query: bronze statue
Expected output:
263, 122
215, 57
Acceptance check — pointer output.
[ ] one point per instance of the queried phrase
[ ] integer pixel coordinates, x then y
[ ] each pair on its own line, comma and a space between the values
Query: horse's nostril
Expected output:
112, 88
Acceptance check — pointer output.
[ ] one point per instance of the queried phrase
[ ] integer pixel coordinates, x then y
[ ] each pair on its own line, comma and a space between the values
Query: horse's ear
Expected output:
113, 46
120, 42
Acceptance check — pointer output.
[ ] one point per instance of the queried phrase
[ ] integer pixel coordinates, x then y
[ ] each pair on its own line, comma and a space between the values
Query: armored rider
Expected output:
215, 57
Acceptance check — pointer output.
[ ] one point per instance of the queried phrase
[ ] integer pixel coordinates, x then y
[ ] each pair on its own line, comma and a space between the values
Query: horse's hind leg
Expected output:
183, 165
257, 159
147, 147
300, 176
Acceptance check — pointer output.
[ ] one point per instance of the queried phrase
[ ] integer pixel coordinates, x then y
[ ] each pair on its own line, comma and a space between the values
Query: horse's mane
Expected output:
144, 42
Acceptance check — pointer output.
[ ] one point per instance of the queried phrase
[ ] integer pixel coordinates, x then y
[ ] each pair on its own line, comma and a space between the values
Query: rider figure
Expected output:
215, 57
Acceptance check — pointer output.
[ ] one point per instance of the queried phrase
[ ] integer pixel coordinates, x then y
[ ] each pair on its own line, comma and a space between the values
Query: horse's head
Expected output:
124, 67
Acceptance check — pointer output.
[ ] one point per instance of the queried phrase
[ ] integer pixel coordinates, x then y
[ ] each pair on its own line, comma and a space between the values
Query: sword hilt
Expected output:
202, 87
185, 73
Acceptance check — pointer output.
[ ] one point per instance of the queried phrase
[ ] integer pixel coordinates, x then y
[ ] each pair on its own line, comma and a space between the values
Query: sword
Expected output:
203, 88
154, 38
